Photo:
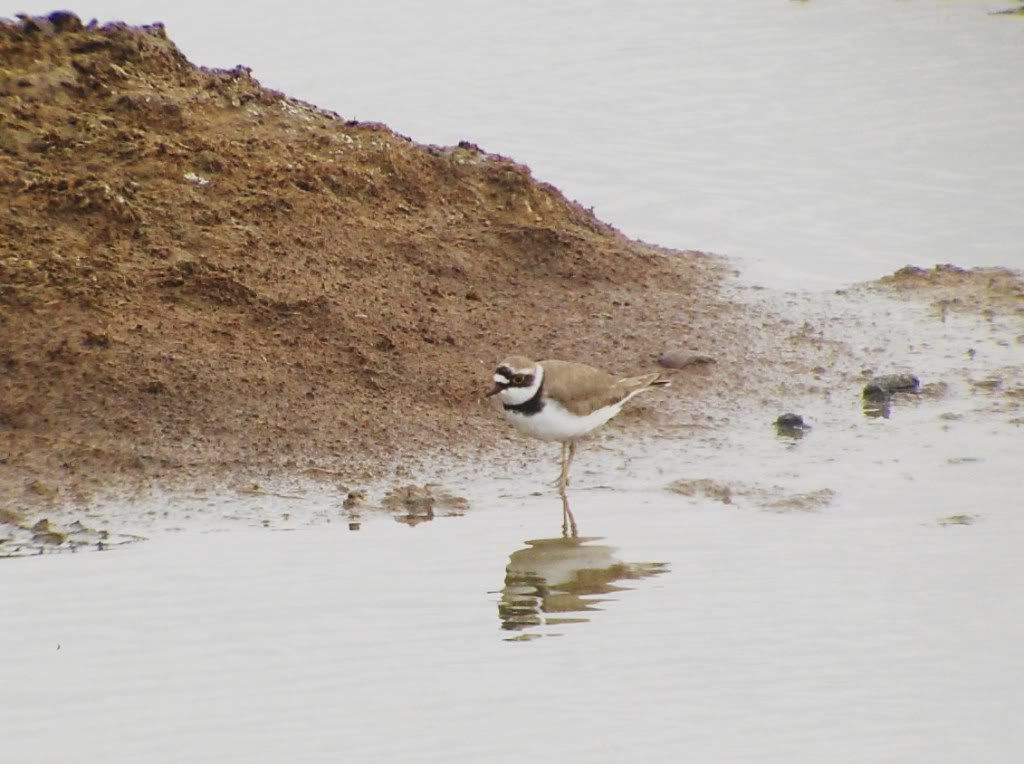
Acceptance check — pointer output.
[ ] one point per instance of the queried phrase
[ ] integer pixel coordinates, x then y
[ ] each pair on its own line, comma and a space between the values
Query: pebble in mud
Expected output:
682, 359
43, 532
791, 425
880, 388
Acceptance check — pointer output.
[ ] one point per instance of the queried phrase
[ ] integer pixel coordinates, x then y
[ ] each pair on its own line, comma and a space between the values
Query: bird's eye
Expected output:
518, 379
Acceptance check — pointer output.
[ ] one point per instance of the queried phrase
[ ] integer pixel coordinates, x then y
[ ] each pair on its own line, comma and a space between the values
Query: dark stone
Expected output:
65, 21
880, 388
790, 420
791, 425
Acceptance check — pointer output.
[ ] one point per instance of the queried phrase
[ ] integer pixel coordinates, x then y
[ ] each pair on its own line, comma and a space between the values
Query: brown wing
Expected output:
583, 389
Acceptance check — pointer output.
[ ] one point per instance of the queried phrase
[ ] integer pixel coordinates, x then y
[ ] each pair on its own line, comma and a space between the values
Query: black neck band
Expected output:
531, 406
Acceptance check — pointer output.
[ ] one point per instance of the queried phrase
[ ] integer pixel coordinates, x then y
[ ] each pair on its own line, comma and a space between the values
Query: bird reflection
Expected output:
551, 579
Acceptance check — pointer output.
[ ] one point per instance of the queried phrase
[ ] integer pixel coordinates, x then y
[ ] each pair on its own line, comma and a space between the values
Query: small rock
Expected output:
882, 387
681, 359
44, 532
791, 425
55, 538
65, 21
789, 420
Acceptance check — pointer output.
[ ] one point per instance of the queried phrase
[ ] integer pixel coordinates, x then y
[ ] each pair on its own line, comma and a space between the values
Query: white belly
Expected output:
555, 422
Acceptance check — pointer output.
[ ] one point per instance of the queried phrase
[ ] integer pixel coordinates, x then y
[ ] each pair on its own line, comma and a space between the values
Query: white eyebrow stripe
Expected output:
501, 379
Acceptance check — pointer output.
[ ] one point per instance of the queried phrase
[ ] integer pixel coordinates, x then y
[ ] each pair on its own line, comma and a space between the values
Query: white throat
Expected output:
515, 396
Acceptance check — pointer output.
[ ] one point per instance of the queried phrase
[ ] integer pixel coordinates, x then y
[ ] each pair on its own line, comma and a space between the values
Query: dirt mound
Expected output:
201, 274
950, 287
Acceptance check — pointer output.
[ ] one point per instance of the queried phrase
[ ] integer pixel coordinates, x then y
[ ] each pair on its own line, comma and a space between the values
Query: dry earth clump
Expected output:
200, 276
950, 287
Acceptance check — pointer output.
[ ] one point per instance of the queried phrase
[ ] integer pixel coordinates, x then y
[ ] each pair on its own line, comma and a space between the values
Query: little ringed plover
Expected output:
563, 401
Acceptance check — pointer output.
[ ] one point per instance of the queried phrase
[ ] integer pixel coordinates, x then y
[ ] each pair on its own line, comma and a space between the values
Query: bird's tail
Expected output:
648, 380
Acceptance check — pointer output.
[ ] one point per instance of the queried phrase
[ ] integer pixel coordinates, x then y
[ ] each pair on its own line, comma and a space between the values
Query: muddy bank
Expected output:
203, 277
994, 364
207, 284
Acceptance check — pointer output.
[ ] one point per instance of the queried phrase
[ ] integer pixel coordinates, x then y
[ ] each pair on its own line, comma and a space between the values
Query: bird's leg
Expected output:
563, 478
568, 452
568, 462
561, 475
568, 521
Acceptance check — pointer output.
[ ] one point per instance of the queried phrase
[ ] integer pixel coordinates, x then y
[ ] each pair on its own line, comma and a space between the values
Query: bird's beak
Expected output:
495, 390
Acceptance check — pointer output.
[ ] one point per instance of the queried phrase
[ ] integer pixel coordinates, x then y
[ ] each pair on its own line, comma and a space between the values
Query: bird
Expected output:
562, 400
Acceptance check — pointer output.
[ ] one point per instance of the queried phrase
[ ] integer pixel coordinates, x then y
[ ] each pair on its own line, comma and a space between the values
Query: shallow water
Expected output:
830, 611
850, 636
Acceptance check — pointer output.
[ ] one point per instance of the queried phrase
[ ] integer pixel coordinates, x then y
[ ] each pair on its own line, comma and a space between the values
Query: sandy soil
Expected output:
202, 277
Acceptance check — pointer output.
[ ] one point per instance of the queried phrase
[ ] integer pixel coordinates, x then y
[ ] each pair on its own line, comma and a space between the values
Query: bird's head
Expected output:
516, 380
